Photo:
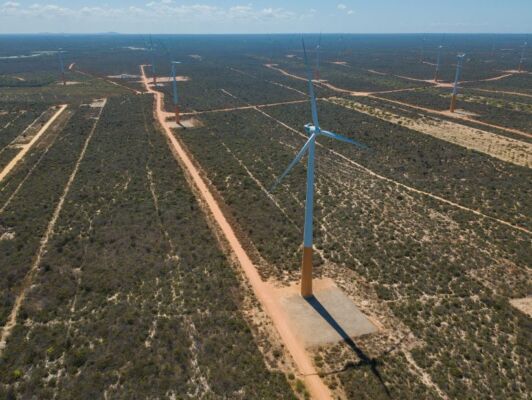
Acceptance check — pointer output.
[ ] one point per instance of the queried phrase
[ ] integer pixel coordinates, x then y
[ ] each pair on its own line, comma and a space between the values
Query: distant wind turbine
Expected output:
438, 64
313, 130
174, 87
522, 59
422, 50
493, 47
61, 66
460, 58
152, 50
318, 48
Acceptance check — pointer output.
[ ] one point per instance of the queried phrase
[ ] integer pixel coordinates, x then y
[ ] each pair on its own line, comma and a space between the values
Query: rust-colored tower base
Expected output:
177, 116
306, 273
453, 103
154, 80
520, 69
436, 77
63, 78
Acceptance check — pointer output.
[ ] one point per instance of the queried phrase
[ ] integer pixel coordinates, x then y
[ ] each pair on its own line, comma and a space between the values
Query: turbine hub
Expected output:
310, 129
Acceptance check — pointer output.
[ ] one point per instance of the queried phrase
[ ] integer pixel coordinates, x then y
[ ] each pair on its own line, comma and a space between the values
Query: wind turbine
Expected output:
522, 59
422, 50
152, 50
318, 48
436, 74
61, 66
460, 58
313, 130
174, 87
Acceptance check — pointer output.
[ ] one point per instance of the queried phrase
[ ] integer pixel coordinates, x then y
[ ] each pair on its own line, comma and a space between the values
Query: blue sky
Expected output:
266, 16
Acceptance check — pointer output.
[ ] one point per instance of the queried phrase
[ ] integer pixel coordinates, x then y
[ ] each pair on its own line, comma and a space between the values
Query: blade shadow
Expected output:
364, 359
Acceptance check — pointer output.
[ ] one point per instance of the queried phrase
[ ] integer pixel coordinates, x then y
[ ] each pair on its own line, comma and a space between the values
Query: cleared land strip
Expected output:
452, 115
12, 320
264, 292
501, 147
409, 188
28, 146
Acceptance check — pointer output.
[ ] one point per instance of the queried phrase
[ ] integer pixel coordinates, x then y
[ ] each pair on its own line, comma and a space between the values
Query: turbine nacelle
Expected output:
311, 129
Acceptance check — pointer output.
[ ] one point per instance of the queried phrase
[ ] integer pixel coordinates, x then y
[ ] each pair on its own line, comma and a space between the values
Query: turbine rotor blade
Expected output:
341, 138
299, 156
313, 105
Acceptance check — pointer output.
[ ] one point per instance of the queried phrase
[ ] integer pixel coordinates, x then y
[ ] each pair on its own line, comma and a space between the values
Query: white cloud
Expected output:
343, 8
152, 9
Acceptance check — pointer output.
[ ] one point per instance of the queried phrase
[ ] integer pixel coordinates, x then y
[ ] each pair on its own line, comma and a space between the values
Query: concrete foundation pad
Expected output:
328, 317
185, 123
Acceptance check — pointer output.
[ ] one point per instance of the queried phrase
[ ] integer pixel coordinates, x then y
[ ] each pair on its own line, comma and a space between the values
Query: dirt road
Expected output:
425, 109
27, 147
263, 291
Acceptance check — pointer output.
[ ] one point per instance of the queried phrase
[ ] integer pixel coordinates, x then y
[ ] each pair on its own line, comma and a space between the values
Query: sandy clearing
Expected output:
27, 147
28, 279
124, 76
165, 79
451, 115
402, 185
68, 83
524, 305
263, 291
501, 147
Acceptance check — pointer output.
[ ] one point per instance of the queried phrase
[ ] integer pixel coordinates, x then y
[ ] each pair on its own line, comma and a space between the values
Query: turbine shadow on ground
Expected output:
364, 359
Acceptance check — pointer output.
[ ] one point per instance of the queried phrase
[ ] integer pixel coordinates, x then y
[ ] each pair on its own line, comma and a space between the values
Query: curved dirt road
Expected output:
263, 291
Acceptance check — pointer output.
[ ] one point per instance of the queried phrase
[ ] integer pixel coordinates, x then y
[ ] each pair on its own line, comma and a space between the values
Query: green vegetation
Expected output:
126, 301
134, 297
